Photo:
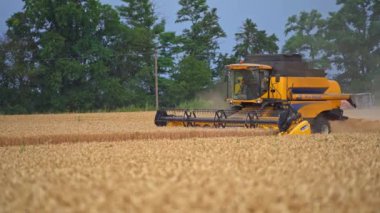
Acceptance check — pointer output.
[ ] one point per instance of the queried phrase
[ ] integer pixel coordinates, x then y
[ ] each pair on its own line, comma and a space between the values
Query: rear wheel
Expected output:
320, 125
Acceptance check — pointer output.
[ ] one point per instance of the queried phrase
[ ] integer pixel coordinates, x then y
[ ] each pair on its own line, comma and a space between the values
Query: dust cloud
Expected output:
215, 97
354, 125
360, 121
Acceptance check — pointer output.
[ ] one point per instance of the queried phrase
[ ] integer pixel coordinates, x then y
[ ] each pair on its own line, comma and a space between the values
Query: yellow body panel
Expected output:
317, 97
309, 105
313, 109
334, 88
308, 82
302, 128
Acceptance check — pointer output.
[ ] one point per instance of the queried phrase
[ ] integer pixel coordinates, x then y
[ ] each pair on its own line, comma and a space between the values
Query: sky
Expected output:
269, 15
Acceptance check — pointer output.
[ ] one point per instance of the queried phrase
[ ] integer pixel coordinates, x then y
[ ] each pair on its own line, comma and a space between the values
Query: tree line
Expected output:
70, 55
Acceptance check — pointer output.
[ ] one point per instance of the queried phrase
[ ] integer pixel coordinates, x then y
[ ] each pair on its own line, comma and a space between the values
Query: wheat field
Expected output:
121, 162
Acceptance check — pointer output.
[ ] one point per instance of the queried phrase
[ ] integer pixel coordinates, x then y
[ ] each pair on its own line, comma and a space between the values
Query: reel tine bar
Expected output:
250, 121
220, 115
187, 117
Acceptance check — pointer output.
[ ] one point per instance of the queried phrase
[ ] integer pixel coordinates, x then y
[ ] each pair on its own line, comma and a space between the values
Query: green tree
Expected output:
308, 37
137, 54
354, 36
198, 48
167, 67
69, 49
193, 76
18, 53
168, 50
251, 40
201, 39
221, 62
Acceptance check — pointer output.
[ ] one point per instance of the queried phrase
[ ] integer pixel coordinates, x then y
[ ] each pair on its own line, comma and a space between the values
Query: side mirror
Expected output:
277, 78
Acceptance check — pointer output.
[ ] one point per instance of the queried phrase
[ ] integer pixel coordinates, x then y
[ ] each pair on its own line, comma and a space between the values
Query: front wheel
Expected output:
320, 125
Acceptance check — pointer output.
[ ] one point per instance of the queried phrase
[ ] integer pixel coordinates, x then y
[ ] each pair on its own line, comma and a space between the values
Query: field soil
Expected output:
121, 162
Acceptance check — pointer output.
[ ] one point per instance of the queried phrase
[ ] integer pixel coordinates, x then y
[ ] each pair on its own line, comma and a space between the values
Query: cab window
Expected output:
247, 84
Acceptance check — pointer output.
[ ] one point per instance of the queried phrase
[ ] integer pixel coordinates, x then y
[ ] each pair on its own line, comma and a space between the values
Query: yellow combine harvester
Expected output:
270, 91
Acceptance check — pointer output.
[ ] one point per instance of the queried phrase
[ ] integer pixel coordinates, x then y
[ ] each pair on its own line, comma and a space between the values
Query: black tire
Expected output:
320, 125
159, 114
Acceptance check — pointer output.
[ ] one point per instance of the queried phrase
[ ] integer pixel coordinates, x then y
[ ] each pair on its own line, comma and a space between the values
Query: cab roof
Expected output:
247, 66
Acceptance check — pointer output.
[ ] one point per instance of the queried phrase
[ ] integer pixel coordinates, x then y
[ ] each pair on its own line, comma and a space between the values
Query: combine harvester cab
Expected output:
276, 92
